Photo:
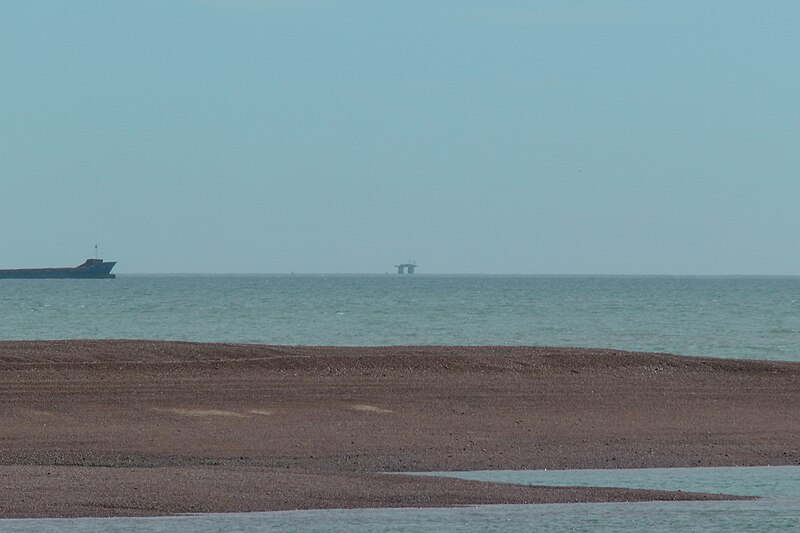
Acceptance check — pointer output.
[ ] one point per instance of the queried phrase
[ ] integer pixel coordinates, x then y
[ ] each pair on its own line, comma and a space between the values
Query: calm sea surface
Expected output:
746, 317
751, 317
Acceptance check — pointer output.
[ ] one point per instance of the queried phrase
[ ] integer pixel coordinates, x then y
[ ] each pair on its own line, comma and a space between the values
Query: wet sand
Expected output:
111, 428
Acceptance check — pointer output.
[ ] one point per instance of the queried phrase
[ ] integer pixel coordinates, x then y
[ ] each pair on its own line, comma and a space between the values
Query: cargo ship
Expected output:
90, 269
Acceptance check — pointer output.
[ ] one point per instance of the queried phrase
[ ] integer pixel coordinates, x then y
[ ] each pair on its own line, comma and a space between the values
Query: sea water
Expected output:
743, 317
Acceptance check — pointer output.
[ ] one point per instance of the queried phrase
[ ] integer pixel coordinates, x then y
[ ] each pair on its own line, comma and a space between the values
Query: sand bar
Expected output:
112, 428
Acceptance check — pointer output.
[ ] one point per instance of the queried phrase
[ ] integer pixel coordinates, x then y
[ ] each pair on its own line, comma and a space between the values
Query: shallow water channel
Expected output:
777, 510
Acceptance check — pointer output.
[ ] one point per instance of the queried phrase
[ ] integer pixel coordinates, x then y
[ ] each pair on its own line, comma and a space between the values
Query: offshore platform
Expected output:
404, 268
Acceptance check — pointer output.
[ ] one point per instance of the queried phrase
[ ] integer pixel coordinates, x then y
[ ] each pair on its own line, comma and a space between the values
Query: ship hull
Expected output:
91, 269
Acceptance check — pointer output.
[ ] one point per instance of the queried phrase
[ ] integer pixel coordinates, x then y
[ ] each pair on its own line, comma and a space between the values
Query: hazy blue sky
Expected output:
346, 136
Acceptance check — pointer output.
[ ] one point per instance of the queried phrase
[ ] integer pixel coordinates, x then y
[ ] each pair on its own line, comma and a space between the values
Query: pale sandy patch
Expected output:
35, 412
263, 412
369, 408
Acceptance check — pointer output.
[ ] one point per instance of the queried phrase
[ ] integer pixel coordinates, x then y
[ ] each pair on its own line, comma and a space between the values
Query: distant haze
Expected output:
473, 137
